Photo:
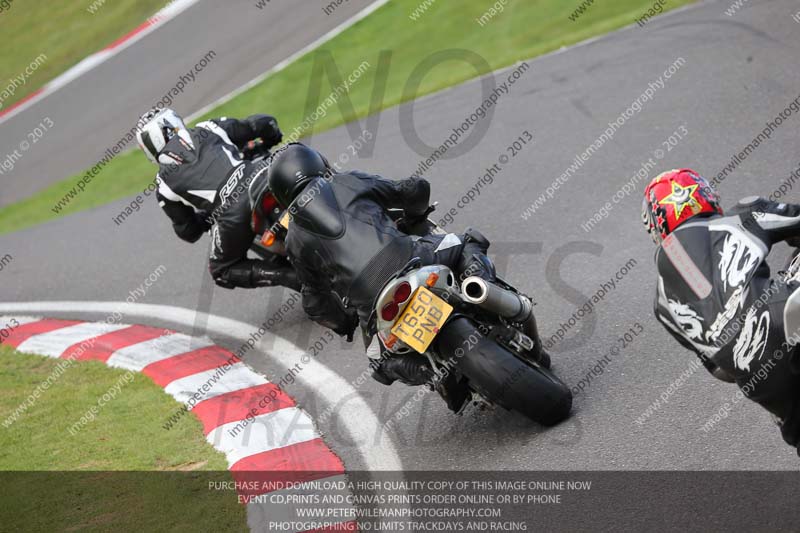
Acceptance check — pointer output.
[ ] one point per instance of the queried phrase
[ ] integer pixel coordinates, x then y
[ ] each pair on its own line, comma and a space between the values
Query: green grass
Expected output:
526, 29
65, 32
121, 469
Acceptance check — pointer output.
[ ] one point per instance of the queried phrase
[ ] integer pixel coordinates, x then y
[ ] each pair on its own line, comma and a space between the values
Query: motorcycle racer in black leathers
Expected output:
203, 185
345, 246
715, 293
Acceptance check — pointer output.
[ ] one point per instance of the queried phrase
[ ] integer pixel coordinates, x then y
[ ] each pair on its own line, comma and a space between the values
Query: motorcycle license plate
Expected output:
420, 322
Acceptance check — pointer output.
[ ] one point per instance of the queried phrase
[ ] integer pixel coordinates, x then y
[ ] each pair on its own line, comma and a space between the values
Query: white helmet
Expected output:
156, 128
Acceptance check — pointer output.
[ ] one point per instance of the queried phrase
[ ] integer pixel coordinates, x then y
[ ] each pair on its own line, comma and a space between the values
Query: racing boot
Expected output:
250, 274
409, 369
270, 277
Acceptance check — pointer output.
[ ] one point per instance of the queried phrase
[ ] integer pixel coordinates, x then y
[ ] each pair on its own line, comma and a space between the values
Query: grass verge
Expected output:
121, 469
523, 30
64, 33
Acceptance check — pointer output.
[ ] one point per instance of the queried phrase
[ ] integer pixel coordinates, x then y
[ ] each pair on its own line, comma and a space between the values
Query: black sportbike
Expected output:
477, 336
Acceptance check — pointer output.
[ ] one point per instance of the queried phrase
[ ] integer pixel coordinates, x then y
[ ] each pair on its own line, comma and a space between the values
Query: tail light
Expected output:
401, 294
389, 311
268, 203
261, 214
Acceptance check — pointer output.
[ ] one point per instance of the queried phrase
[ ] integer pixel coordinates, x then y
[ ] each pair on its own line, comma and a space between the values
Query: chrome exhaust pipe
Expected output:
505, 303
489, 296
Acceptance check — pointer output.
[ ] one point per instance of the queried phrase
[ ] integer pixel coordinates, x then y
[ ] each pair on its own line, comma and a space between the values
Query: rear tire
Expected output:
502, 377
544, 360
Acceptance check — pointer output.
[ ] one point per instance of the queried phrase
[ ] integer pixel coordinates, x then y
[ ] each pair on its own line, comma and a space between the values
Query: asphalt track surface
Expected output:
738, 73
94, 112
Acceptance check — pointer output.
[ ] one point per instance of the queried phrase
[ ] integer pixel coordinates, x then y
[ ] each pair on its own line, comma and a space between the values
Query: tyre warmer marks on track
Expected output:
271, 445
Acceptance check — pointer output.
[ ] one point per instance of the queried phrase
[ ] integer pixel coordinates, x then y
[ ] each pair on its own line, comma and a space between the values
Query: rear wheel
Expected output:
544, 359
502, 377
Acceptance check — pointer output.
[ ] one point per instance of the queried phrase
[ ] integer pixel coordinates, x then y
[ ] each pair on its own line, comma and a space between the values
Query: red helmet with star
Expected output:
675, 197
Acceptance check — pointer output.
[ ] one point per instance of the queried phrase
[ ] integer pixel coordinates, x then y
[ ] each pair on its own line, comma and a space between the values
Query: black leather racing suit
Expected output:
716, 297
208, 190
344, 245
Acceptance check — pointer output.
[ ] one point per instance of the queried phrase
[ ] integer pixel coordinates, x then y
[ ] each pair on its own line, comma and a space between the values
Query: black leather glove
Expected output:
204, 221
255, 149
349, 324
417, 225
266, 127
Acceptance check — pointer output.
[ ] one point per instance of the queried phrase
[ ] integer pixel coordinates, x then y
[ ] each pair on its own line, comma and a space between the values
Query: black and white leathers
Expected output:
190, 177
204, 185
716, 296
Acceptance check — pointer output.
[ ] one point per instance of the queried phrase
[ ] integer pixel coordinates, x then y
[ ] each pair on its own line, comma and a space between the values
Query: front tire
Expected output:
502, 377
